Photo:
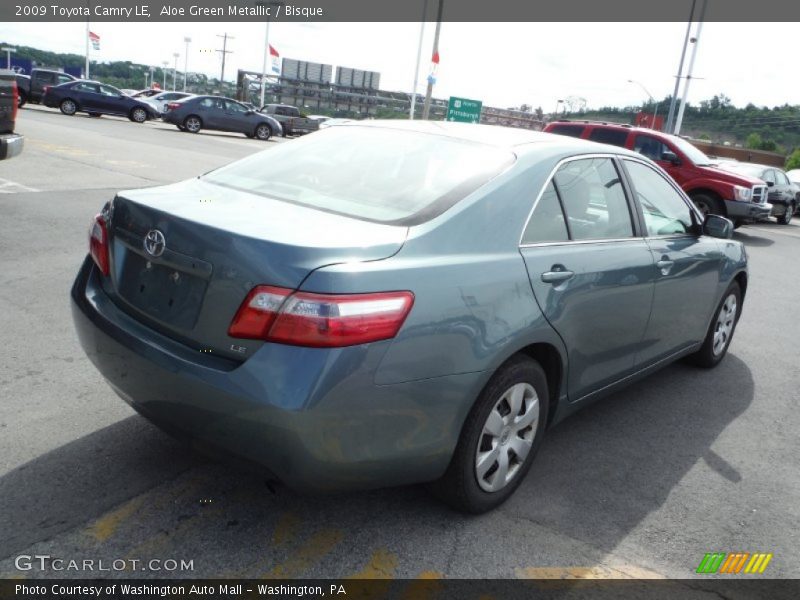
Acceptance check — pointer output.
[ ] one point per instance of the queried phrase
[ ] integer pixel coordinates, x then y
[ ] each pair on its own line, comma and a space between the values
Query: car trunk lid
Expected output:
184, 256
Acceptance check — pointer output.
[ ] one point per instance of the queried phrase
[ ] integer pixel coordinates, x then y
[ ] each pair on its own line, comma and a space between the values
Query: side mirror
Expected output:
718, 227
671, 157
770, 184
249, 112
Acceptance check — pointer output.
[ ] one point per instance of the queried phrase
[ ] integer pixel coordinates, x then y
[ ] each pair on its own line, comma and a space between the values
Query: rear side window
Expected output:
614, 137
594, 201
547, 221
373, 173
570, 130
64, 79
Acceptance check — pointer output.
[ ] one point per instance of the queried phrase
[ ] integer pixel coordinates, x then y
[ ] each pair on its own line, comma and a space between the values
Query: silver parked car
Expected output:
392, 302
161, 101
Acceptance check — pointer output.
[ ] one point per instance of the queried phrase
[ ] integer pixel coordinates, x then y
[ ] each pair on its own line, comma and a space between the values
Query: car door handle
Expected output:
665, 265
557, 276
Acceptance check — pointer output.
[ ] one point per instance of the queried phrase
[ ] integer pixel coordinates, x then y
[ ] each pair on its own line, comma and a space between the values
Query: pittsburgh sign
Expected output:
464, 110
734, 562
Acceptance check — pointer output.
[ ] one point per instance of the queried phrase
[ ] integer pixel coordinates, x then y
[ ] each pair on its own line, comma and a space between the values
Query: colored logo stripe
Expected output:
758, 563
731, 563
711, 562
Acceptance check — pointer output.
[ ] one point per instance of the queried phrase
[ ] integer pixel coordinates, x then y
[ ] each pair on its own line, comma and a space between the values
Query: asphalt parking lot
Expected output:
642, 484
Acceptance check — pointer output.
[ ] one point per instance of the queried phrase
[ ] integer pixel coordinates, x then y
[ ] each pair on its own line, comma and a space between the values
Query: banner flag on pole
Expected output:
274, 59
95, 39
434, 68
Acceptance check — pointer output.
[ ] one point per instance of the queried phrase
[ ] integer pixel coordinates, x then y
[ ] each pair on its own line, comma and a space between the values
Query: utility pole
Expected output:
696, 41
674, 98
175, 72
187, 41
88, 10
8, 52
225, 37
426, 109
419, 55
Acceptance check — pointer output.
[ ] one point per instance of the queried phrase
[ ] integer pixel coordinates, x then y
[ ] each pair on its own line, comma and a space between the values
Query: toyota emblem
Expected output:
154, 243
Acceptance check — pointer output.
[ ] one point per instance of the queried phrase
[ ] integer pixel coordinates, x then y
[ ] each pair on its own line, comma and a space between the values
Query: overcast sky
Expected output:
502, 64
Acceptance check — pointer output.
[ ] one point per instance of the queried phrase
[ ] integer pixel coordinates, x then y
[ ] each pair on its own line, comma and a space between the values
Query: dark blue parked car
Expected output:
382, 303
97, 98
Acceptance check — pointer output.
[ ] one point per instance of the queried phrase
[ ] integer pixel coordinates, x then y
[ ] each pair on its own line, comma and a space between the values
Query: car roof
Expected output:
486, 134
493, 135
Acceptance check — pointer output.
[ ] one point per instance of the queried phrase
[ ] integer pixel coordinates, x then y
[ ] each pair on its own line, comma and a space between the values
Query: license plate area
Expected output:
162, 292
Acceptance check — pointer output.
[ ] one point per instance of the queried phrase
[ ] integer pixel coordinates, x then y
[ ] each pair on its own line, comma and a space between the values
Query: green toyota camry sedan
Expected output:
389, 303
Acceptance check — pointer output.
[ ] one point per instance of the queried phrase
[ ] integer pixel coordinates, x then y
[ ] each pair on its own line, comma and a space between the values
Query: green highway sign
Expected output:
464, 110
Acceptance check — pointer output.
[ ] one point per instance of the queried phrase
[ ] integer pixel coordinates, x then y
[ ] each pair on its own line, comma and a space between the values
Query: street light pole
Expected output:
419, 56
696, 41
175, 72
655, 112
165, 64
674, 98
187, 40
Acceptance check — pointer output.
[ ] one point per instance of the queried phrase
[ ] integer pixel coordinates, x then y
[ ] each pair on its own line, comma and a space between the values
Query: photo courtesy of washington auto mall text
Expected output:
399, 300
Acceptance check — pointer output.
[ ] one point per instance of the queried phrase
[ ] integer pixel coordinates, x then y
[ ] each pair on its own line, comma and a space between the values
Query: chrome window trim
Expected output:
597, 241
549, 178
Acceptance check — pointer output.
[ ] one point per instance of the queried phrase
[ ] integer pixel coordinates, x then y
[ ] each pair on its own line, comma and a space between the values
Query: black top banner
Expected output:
395, 10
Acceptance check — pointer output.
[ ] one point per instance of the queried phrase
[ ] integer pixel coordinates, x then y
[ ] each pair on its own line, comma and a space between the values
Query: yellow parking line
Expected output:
312, 551
382, 565
104, 527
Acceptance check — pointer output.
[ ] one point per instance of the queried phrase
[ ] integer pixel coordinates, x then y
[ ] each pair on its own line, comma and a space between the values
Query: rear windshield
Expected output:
371, 173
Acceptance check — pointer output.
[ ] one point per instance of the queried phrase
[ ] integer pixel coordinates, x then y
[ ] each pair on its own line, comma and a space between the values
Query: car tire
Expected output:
22, 100
786, 217
68, 107
138, 115
95, 115
737, 223
193, 124
263, 132
474, 481
708, 205
720, 330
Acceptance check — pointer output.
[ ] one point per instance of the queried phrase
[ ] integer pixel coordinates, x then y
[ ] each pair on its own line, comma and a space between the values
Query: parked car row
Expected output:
189, 112
743, 194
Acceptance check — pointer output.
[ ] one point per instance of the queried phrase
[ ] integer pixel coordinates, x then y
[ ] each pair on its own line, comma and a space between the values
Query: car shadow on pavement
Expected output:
750, 239
598, 475
600, 472
84, 478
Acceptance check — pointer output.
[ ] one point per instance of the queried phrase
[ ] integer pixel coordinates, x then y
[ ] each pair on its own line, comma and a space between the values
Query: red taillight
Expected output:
172, 105
320, 320
98, 243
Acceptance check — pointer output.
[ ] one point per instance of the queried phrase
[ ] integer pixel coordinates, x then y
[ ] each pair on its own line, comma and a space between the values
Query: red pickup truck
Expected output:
10, 142
741, 198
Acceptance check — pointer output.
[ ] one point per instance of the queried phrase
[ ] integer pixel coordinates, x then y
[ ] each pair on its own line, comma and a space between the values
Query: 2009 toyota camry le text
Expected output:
388, 303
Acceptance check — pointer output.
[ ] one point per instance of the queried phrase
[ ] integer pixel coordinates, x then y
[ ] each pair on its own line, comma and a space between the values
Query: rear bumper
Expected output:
747, 211
11, 145
313, 417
